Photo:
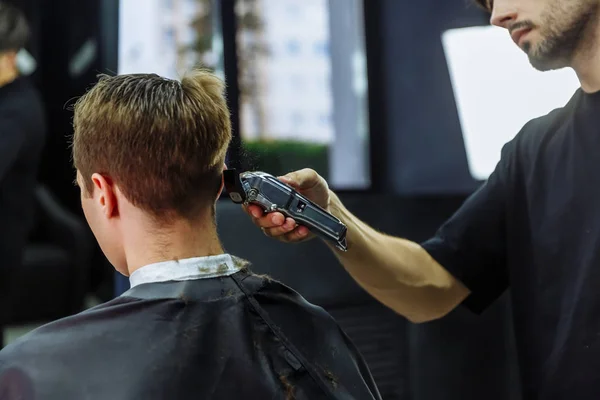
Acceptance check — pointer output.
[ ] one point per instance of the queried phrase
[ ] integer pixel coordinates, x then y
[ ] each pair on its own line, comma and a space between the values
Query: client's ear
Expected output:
222, 183
105, 196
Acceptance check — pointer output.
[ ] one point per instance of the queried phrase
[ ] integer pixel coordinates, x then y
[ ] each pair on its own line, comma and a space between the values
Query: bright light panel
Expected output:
497, 91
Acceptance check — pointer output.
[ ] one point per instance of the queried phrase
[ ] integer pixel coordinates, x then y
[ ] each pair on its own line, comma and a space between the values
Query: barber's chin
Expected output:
543, 65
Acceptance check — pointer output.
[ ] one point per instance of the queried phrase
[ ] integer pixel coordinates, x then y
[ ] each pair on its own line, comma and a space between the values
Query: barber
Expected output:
534, 226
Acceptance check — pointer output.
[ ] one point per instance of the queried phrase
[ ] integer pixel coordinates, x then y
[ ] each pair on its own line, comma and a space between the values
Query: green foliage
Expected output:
251, 21
279, 157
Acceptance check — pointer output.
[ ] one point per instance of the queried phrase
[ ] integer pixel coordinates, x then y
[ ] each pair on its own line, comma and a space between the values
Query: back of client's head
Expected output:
151, 151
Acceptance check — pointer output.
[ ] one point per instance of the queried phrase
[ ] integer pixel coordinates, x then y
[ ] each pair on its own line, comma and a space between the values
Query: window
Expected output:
489, 73
324, 119
296, 82
321, 49
297, 119
293, 47
299, 105
168, 37
293, 8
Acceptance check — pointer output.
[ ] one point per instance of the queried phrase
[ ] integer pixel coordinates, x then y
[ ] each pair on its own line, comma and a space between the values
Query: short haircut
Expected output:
14, 29
163, 142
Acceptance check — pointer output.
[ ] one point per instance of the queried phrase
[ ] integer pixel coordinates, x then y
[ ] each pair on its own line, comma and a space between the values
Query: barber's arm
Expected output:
397, 272
464, 262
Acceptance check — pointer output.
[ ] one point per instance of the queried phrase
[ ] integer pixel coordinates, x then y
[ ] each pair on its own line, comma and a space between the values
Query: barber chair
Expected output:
54, 278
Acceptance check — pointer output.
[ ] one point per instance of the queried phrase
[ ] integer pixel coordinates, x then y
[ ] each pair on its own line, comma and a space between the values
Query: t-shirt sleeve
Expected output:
472, 244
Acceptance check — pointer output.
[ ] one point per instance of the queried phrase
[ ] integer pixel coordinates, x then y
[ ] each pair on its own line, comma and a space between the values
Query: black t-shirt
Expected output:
535, 226
237, 337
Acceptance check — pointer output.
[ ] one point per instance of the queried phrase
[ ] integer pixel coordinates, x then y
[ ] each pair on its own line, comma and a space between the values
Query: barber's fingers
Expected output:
281, 230
276, 225
253, 210
264, 220
285, 234
297, 235
303, 179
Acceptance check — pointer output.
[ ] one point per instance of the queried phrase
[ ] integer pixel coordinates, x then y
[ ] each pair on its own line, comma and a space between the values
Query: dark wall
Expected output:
424, 149
68, 69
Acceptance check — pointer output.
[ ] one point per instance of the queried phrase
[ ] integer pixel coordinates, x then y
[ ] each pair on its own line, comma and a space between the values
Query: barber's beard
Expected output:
562, 40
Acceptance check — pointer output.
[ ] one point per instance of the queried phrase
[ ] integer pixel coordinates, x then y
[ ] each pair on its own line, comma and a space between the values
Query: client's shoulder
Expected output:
63, 334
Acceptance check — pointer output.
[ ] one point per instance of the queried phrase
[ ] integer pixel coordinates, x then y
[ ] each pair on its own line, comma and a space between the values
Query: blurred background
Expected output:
402, 106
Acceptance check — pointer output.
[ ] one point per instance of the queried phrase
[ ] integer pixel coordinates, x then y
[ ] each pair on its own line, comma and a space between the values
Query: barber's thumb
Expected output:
290, 179
302, 179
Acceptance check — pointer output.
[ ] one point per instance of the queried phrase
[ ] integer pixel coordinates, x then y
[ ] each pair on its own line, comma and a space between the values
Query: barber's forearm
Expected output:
397, 272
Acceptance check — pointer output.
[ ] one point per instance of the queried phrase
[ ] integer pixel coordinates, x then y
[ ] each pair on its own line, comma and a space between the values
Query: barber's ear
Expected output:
105, 195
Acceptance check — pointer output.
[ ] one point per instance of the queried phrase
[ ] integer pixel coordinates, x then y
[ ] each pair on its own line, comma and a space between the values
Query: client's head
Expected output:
149, 154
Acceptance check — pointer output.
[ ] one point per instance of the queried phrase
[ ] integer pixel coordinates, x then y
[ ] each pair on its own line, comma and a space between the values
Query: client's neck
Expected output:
182, 239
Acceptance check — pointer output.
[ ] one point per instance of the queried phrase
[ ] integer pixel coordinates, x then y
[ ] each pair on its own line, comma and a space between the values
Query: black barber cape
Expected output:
236, 337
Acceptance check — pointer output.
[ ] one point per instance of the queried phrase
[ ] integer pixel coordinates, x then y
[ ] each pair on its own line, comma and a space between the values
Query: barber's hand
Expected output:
308, 183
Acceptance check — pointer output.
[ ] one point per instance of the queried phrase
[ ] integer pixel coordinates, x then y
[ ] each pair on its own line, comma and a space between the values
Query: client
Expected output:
196, 323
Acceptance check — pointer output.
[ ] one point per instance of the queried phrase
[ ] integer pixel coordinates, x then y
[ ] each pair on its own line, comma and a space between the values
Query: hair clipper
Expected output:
272, 195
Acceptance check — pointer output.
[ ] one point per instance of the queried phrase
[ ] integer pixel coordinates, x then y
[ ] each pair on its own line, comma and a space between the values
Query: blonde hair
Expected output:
163, 142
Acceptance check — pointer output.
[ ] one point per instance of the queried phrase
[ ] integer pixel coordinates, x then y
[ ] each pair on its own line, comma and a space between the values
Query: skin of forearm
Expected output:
397, 272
